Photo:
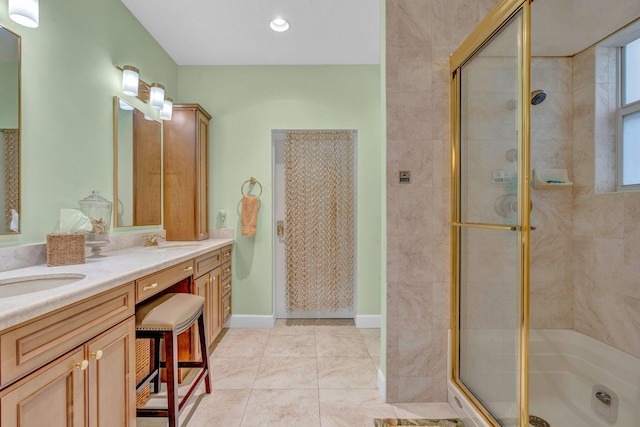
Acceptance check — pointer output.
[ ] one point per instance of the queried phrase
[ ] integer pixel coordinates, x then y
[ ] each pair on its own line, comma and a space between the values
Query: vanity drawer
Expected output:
226, 308
226, 271
226, 287
34, 344
225, 253
207, 262
156, 282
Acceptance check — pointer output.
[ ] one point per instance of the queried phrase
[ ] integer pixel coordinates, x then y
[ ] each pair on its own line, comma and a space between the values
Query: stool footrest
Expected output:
152, 412
146, 380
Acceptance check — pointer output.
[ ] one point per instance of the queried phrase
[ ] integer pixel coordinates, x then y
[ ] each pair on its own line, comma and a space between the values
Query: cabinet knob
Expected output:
228, 286
188, 268
227, 308
226, 254
226, 270
97, 355
151, 286
82, 365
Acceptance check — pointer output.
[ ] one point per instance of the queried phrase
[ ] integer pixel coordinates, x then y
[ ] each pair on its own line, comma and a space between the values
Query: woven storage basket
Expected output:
65, 249
143, 366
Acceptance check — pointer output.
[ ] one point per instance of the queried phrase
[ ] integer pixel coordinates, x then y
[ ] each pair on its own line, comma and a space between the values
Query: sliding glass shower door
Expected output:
490, 221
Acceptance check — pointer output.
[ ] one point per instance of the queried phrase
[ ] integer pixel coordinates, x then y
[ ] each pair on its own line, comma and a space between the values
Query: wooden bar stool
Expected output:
165, 318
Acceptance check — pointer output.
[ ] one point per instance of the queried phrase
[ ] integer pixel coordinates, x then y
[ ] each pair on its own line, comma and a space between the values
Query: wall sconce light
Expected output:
124, 106
167, 109
156, 96
130, 77
25, 12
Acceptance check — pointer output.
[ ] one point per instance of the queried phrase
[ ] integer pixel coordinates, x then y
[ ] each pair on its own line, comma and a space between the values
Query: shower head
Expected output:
537, 96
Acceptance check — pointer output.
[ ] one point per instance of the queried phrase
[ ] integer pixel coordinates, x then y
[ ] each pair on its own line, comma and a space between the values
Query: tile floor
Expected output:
302, 373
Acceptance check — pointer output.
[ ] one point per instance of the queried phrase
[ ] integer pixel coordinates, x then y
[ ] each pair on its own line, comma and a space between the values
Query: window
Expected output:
629, 117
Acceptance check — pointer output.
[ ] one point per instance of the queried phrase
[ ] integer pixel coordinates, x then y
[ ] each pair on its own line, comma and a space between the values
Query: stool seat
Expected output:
169, 312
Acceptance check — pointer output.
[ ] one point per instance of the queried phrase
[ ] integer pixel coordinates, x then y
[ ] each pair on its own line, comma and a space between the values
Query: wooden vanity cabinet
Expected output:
92, 384
186, 173
207, 284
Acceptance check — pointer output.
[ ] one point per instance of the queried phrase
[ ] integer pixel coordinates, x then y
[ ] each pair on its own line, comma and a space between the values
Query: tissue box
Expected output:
65, 249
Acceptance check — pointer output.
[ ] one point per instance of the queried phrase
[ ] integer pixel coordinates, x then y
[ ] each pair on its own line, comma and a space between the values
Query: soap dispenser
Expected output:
98, 209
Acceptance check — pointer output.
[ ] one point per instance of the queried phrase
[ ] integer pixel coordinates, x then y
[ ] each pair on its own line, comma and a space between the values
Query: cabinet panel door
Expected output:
215, 319
52, 396
201, 287
202, 184
111, 371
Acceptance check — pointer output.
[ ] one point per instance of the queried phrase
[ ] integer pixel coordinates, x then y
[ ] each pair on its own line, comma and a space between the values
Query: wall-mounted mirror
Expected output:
137, 167
9, 132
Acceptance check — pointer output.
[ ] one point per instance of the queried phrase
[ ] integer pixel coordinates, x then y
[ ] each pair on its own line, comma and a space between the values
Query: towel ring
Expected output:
251, 181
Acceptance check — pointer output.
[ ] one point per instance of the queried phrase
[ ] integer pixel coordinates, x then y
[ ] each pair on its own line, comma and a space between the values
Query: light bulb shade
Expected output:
25, 12
124, 106
167, 109
279, 25
156, 96
130, 77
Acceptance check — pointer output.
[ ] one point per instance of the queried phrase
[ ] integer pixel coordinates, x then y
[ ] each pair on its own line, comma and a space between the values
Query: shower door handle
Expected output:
280, 228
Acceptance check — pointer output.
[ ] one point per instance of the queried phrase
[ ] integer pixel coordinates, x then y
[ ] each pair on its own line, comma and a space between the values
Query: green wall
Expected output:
68, 83
247, 102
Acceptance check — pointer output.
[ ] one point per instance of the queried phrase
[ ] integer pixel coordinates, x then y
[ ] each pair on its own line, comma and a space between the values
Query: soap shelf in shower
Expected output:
551, 178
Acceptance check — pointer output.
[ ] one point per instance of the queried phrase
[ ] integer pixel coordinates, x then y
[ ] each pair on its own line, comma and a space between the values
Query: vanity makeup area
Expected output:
67, 333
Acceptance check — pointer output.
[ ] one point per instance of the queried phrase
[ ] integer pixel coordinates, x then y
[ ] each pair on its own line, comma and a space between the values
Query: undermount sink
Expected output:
29, 284
178, 245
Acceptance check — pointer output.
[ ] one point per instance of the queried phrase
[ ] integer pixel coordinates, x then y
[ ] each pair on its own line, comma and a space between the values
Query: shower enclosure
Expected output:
545, 242
490, 226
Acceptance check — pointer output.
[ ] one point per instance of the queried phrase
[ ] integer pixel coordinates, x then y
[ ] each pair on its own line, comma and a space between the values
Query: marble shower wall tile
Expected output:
420, 37
606, 227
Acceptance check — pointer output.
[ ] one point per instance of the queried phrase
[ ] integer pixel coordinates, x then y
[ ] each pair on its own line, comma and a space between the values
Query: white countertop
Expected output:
114, 269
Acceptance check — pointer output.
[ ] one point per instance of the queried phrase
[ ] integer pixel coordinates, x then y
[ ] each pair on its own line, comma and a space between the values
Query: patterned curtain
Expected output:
11, 173
320, 221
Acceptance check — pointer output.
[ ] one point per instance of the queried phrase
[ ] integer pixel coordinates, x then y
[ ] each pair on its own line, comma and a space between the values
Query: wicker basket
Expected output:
143, 366
65, 249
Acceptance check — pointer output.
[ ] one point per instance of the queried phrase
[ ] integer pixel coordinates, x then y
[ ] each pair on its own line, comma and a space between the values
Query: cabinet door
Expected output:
215, 319
202, 182
201, 287
52, 396
112, 388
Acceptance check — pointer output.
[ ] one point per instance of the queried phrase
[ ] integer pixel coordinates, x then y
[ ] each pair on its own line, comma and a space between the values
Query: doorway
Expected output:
314, 230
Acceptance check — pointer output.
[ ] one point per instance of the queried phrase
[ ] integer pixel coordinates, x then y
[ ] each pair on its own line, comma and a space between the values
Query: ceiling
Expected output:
566, 27
236, 32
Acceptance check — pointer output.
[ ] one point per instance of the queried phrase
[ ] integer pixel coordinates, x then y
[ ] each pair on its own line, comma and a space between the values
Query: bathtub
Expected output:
567, 368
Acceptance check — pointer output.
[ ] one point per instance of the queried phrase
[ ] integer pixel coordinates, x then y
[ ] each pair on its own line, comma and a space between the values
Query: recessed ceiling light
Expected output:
279, 25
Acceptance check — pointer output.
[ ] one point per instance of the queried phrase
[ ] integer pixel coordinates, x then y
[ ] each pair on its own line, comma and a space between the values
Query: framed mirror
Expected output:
137, 142
9, 132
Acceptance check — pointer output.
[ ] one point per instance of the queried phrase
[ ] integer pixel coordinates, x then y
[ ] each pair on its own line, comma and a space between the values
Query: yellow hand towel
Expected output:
249, 215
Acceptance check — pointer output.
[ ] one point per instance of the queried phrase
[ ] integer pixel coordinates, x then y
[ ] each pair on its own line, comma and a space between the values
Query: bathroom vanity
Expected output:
67, 354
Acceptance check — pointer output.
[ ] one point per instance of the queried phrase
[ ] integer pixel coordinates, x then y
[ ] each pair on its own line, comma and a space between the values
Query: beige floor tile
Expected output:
287, 372
233, 373
246, 345
220, 408
282, 408
352, 408
371, 340
346, 372
376, 362
247, 331
335, 345
336, 326
291, 346
424, 410
294, 327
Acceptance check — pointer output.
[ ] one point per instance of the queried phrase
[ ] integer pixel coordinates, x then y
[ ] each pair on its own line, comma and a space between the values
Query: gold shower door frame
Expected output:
482, 34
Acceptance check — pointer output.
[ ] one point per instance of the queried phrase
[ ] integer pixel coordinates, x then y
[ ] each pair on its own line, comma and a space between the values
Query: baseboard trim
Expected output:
368, 321
382, 385
251, 321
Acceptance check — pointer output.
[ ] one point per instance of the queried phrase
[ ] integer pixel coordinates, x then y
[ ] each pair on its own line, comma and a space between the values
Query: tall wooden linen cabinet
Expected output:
186, 173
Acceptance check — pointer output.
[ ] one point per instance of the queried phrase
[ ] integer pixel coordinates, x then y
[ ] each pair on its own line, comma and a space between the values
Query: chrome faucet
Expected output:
152, 239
